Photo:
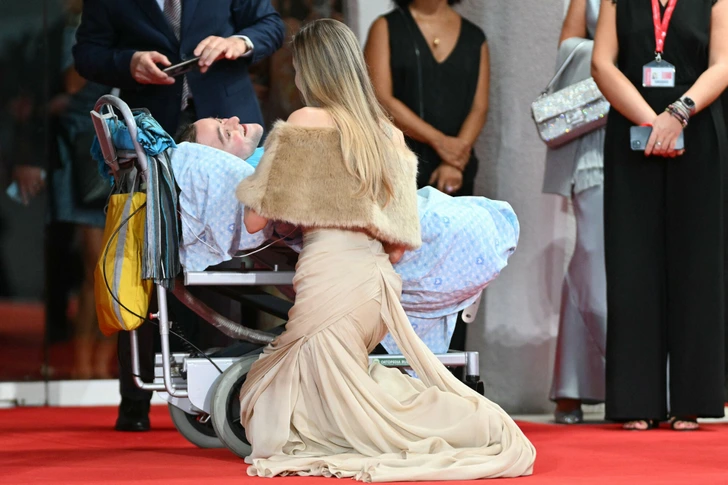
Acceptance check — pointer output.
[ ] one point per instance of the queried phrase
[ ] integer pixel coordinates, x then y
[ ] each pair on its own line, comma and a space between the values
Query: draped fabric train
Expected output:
313, 406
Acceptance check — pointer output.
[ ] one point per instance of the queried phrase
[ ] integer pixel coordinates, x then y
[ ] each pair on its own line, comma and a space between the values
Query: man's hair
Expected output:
405, 3
187, 133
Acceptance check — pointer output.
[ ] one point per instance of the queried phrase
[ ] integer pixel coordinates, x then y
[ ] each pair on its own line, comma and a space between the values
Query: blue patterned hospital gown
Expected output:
466, 241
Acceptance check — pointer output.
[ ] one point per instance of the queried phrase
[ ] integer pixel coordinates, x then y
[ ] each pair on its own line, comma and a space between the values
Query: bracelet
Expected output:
679, 112
680, 105
675, 114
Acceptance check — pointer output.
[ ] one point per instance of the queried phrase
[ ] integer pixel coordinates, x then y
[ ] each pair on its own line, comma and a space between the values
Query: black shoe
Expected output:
133, 416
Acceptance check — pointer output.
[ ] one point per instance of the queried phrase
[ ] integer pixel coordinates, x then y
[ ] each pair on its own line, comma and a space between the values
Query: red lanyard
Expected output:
661, 25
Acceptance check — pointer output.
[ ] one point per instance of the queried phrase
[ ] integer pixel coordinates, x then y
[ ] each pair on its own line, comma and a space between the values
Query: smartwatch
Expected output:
689, 104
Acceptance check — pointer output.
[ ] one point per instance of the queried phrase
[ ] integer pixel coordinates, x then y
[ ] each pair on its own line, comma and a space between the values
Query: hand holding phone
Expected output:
145, 69
640, 135
182, 68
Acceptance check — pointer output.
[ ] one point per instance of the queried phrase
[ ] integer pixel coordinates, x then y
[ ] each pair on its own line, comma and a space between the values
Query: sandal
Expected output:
641, 425
568, 411
684, 423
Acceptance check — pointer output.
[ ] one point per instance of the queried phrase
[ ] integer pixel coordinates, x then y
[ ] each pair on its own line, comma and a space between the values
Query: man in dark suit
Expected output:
127, 44
121, 44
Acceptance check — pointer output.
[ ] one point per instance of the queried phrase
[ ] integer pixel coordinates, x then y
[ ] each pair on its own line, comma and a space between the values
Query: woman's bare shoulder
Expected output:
312, 118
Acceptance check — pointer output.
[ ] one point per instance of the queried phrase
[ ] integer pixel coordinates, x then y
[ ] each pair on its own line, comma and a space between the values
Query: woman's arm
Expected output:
473, 124
714, 80
575, 21
615, 86
377, 56
666, 129
254, 222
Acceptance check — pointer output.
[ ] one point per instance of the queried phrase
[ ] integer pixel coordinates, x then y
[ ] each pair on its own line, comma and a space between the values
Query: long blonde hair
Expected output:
333, 76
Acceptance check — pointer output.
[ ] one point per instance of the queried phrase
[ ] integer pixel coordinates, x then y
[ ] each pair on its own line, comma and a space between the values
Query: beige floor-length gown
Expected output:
312, 404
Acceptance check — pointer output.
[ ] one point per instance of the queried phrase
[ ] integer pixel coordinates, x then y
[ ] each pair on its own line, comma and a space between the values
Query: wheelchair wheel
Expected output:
194, 429
225, 406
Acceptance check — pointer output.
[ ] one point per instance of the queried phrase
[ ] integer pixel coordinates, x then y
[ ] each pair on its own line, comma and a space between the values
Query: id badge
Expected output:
658, 74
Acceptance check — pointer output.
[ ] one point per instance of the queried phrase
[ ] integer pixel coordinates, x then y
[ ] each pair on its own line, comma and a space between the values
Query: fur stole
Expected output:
302, 179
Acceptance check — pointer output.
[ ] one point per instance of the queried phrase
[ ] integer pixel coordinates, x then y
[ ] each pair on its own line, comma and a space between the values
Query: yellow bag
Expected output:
118, 285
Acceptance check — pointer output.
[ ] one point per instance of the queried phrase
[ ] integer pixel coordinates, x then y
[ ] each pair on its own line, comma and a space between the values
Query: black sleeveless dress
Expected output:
447, 88
664, 236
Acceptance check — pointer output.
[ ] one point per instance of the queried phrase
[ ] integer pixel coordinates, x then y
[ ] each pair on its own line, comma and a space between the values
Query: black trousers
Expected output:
664, 245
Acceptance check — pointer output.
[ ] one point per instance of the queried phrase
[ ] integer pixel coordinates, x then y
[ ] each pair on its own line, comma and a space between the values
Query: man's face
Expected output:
229, 135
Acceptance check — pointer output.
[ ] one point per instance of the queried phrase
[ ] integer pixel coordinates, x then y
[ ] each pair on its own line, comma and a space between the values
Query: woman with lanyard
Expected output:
662, 66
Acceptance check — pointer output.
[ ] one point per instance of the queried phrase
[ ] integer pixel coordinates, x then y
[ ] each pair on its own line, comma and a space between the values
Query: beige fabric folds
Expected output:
313, 406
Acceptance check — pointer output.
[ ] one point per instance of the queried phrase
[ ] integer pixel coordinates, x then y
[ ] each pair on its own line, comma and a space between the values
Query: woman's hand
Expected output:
285, 229
253, 222
453, 151
665, 131
394, 251
447, 178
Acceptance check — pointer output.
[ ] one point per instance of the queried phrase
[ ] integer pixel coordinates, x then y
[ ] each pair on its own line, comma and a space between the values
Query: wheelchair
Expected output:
202, 390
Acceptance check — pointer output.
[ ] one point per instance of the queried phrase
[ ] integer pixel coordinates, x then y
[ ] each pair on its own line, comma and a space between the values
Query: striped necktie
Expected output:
173, 14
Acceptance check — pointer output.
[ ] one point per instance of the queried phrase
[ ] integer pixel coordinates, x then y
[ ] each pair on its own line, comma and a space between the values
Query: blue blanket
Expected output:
466, 240
150, 135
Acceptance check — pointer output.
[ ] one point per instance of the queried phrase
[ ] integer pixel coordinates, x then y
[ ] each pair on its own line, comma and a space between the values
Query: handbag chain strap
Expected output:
418, 60
563, 67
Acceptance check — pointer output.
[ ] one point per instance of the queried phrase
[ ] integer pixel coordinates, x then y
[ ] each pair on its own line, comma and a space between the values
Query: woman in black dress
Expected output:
664, 209
430, 70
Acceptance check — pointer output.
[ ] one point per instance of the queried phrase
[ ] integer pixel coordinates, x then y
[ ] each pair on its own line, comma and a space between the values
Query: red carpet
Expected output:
76, 445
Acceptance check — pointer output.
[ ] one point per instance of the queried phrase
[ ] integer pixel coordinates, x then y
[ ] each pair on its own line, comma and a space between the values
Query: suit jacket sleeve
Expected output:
95, 55
259, 21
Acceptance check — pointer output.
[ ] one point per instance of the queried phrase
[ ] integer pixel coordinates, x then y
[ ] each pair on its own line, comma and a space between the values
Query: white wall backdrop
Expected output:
518, 321
362, 13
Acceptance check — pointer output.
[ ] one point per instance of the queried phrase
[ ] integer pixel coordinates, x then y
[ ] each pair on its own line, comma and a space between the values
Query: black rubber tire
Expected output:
200, 434
225, 406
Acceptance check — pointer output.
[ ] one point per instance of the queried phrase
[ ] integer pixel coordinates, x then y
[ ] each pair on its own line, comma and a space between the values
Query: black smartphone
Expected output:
639, 135
182, 67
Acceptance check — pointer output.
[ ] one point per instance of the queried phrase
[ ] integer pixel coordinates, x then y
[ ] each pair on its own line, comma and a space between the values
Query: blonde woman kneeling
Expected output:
312, 405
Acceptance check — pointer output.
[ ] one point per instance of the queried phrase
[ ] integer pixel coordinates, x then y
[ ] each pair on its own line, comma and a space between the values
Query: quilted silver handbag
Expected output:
570, 112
